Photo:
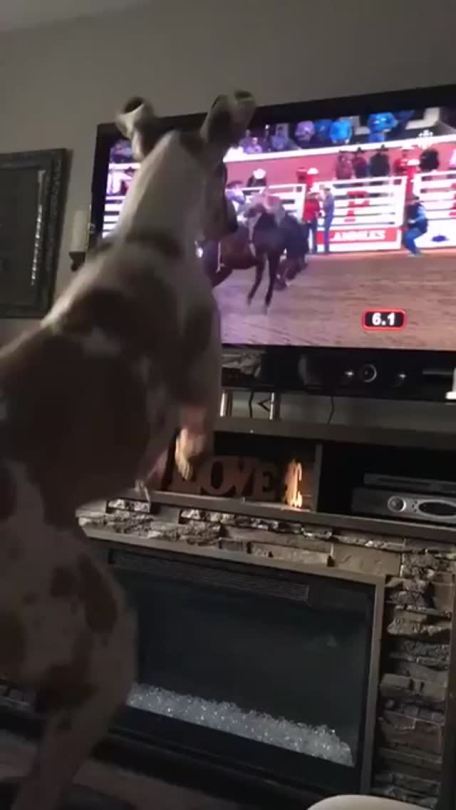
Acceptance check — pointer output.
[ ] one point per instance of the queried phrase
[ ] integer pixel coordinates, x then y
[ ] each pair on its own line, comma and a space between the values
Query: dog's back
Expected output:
89, 399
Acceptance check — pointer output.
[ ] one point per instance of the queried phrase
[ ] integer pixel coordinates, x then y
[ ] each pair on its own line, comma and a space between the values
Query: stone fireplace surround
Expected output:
415, 657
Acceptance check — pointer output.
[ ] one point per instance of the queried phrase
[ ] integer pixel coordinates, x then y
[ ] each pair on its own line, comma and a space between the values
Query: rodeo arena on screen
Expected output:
336, 216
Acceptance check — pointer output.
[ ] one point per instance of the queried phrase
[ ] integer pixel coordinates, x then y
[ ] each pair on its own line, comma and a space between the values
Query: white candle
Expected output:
80, 231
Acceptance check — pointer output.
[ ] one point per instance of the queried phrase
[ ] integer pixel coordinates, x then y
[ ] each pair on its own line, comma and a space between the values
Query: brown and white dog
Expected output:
90, 400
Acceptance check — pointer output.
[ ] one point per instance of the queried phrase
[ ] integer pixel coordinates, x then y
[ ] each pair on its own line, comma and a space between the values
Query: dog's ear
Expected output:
138, 122
227, 121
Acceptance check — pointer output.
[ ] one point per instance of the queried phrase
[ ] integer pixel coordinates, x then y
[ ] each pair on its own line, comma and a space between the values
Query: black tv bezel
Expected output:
416, 98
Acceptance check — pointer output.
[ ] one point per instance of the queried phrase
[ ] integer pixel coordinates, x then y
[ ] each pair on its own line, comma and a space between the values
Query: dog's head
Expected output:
223, 127
138, 122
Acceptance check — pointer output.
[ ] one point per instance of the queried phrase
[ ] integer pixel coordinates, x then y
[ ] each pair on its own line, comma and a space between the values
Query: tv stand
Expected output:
339, 451
392, 374
413, 558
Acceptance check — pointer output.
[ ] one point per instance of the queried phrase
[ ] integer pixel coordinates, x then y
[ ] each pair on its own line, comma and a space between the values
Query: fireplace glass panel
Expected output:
251, 662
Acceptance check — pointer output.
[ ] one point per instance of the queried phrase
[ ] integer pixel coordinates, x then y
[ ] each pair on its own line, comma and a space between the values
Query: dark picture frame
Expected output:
32, 196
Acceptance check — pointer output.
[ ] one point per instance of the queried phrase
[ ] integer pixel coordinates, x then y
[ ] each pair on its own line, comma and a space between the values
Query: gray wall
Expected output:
57, 83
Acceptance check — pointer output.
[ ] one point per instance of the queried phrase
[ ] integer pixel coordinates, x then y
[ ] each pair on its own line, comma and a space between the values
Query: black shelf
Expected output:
277, 511
437, 439
344, 453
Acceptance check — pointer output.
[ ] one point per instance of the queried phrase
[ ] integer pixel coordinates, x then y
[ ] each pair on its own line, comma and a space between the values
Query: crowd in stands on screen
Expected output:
359, 165
402, 117
401, 163
356, 165
323, 132
429, 160
379, 125
322, 128
270, 140
304, 132
251, 144
344, 169
379, 163
121, 152
341, 131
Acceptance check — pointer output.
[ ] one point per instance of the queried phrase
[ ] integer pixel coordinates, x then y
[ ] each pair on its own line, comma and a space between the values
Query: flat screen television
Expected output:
371, 181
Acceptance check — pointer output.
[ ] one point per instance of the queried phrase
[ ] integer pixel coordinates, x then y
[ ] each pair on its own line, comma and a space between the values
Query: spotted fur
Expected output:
89, 403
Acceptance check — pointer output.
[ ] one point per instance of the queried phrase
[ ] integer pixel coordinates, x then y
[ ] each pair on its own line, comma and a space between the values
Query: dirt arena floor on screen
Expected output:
324, 305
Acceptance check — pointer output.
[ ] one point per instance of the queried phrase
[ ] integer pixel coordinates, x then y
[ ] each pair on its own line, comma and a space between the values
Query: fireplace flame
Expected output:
293, 479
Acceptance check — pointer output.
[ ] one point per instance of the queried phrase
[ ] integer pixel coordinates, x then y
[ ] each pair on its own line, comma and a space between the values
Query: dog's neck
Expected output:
167, 191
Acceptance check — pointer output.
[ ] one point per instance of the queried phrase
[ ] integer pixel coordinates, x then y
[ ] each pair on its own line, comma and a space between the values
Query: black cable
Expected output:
331, 411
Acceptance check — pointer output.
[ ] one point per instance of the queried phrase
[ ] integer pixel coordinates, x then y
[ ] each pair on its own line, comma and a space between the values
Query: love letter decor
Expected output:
233, 477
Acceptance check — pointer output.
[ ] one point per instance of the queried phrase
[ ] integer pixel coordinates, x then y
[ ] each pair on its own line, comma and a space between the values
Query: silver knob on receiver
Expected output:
396, 504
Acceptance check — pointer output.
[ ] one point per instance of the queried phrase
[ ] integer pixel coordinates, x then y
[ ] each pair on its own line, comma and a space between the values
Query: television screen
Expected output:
355, 216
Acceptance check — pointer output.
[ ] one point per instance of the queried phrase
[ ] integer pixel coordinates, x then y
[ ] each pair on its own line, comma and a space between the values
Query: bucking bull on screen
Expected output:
266, 236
